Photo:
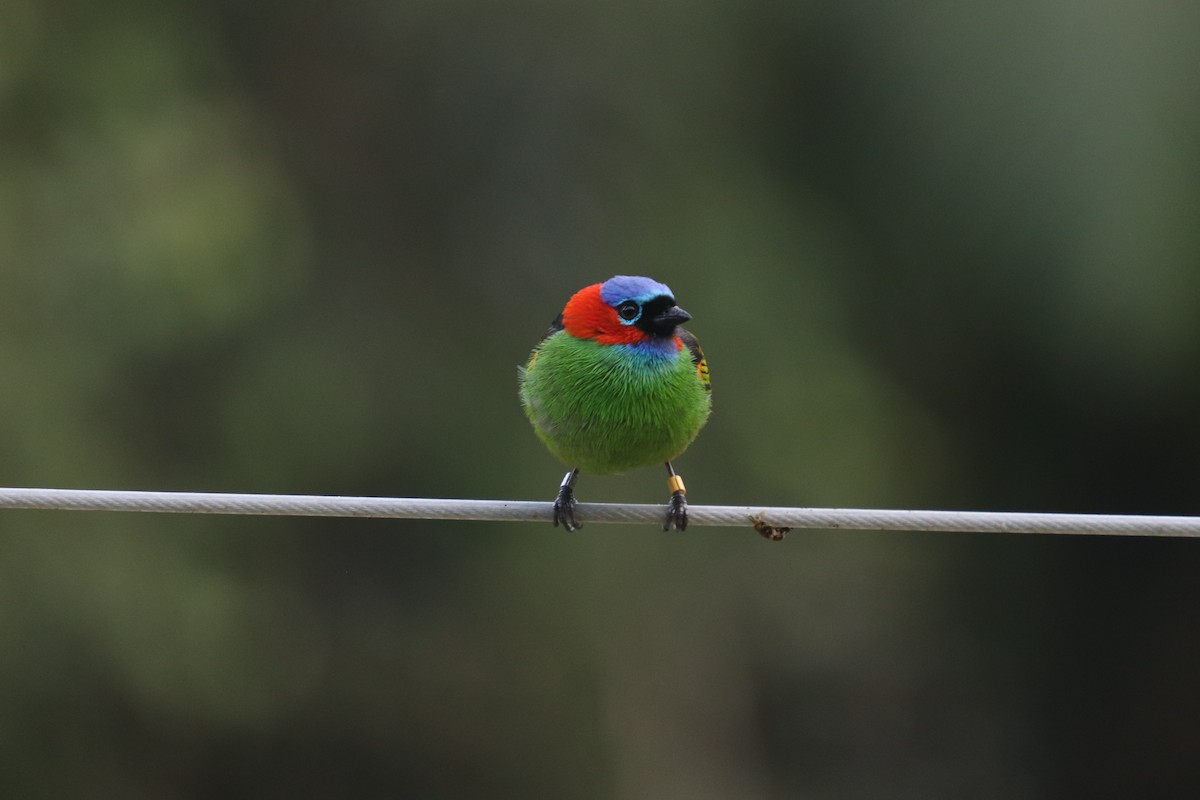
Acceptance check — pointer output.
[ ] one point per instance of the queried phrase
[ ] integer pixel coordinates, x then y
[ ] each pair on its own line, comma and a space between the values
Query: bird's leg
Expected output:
564, 504
677, 515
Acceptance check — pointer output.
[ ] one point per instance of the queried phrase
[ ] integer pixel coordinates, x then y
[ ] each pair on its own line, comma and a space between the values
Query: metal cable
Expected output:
770, 519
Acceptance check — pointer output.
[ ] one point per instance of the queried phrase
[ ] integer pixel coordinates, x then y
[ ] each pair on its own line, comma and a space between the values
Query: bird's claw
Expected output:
677, 514
564, 509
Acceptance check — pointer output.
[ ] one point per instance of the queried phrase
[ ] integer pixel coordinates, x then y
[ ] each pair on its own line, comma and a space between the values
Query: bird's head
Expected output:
624, 310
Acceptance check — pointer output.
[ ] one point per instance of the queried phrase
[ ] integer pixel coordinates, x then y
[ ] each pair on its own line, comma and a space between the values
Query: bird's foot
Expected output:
564, 509
677, 514
564, 504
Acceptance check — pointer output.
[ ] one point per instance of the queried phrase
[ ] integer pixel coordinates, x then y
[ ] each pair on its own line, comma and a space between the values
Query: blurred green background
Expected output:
940, 255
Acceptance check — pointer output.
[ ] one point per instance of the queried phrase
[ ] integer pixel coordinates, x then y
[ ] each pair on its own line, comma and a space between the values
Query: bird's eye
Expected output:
629, 310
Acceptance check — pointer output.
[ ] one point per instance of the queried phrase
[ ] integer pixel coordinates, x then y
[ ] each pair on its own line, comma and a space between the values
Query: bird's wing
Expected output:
698, 359
555, 327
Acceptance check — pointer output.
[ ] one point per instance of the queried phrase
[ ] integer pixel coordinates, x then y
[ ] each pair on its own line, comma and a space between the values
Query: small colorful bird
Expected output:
616, 384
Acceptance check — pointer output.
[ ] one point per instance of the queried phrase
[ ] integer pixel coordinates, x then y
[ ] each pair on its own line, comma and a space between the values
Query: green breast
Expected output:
608, 409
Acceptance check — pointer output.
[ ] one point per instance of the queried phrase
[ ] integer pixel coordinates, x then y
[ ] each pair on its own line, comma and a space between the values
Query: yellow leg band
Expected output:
675, 483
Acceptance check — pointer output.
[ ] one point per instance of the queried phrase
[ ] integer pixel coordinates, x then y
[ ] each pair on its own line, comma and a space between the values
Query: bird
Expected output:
617, 384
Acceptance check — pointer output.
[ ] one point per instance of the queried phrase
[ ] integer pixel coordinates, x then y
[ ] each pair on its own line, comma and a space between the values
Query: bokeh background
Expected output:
940, 255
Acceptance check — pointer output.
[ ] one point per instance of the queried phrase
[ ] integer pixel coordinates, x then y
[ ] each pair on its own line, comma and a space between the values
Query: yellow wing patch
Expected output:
698, 359
702, 374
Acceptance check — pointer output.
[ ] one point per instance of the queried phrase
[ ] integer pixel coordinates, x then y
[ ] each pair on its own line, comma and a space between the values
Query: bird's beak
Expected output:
666, 321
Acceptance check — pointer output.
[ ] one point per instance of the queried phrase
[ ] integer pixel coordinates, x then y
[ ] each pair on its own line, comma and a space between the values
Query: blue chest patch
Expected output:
651, 352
